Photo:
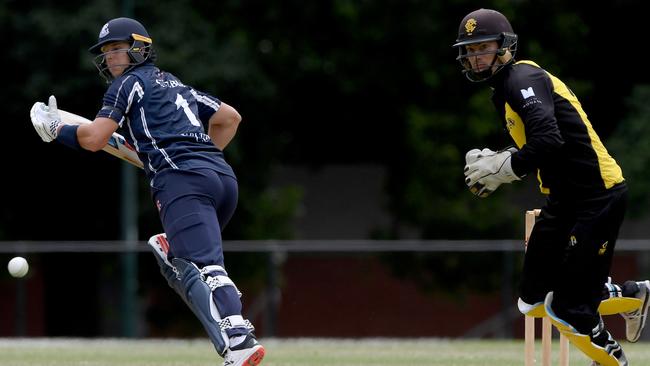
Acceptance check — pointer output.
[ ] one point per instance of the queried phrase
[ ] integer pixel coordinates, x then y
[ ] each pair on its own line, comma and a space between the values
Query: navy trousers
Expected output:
194, 207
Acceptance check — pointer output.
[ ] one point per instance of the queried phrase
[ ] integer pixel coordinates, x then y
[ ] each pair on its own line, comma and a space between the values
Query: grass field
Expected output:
285, 352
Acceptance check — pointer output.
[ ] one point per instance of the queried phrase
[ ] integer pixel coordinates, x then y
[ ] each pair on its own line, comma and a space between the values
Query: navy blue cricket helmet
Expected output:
126, 30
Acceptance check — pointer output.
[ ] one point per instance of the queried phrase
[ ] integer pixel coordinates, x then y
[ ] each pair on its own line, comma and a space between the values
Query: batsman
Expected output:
569, 256
192, 185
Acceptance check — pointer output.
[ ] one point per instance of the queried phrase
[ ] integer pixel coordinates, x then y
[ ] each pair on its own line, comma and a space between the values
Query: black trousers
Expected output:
570, 253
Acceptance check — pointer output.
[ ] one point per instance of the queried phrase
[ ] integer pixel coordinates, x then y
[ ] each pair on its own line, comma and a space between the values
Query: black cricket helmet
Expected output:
126, 30
485, 25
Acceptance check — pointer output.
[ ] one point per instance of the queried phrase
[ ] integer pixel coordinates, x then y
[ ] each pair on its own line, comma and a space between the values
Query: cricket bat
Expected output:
117, 145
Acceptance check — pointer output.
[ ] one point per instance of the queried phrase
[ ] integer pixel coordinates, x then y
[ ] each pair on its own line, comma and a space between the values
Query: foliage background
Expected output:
318, 83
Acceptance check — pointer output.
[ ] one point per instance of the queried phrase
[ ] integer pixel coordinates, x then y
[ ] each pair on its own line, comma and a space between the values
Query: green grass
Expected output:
285, 352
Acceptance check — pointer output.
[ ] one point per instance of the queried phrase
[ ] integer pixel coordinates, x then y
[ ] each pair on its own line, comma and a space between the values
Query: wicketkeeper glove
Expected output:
46, 119
475, 154
488, 170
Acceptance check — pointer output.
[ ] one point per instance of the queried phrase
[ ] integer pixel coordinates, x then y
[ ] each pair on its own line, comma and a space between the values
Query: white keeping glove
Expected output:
475, 154
487, 173
46, 119
471, 157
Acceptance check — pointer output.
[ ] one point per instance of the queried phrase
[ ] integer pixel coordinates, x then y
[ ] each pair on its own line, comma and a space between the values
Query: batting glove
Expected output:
46, 119
487, 173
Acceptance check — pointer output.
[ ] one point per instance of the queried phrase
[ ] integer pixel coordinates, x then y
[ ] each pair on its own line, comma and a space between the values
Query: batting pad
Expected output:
199, 296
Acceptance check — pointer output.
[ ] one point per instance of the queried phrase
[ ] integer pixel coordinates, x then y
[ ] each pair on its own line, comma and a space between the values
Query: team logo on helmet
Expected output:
104, 32
470, 26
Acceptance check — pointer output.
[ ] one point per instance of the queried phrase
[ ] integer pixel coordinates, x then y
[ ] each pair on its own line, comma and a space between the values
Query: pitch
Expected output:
285, 352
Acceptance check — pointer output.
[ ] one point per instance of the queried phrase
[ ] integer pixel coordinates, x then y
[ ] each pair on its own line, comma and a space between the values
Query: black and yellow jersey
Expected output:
554, 136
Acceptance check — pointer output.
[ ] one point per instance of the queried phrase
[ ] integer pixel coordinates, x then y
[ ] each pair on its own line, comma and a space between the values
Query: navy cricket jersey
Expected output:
163, 120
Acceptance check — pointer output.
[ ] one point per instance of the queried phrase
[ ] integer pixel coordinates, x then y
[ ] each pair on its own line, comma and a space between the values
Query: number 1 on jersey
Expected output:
181, 102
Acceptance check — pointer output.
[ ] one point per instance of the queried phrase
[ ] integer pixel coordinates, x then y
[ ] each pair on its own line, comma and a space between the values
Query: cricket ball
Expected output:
18, 267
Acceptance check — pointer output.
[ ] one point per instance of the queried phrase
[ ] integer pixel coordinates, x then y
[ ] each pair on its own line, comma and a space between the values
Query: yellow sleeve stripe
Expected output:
517, 131
610, 172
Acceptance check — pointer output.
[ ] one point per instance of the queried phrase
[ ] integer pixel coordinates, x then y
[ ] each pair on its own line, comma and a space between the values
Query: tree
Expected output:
629, 145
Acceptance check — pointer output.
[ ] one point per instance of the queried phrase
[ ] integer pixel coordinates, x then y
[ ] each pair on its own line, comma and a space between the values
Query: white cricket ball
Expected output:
18, 267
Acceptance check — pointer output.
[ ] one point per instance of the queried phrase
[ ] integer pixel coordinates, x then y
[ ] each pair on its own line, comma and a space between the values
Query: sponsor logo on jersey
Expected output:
530, 102
529, 97
527, 93
603, 248
199, 137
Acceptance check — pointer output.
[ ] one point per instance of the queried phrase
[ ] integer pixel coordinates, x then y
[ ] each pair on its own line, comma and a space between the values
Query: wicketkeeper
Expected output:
570, 249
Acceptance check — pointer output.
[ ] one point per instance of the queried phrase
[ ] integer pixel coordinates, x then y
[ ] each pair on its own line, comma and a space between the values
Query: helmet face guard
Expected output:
485, 25
506, 43
122, 30
138, 53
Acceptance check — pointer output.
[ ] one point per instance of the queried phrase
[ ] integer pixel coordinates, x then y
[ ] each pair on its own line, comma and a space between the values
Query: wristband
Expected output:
68, 136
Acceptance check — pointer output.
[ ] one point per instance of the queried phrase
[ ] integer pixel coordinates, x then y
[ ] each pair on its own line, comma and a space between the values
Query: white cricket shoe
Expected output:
247, 353
635, 320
